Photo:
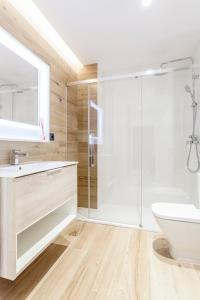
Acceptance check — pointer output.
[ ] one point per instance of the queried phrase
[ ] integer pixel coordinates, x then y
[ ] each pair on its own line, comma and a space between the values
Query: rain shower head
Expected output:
7, 86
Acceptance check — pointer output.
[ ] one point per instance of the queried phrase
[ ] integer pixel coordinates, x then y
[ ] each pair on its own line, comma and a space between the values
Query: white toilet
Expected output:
180, 224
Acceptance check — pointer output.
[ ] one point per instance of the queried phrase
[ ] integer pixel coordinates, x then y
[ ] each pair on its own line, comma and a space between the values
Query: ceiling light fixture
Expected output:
39, 22
146, 3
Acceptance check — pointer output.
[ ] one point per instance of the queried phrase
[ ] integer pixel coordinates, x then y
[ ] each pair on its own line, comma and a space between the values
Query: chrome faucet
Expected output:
15, 156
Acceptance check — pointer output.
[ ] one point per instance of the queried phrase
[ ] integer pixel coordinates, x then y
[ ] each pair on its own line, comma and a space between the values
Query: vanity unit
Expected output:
37, 201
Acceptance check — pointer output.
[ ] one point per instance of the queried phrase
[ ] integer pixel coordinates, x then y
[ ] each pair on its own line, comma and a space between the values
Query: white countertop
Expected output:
12, 171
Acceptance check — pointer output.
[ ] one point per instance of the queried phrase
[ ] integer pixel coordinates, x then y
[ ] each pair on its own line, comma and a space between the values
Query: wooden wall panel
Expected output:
72, 124
61, 73
88, 72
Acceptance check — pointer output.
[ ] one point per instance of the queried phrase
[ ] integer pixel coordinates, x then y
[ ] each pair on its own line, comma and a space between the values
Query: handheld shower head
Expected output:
192, 95
188, 90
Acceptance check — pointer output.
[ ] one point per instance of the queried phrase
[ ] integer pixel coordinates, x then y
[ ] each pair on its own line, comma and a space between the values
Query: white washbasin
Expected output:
31, 168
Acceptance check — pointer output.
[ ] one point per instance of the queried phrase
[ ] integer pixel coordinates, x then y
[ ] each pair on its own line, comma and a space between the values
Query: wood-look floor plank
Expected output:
104, 262
32, 276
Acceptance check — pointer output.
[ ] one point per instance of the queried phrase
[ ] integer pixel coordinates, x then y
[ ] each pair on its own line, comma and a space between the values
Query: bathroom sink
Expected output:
31, 168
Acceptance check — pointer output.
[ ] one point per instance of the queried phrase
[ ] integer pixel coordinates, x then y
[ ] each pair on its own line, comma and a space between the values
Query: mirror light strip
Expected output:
38, 21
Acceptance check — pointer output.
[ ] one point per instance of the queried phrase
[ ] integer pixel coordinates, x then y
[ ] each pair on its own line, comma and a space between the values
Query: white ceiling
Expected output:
121, 35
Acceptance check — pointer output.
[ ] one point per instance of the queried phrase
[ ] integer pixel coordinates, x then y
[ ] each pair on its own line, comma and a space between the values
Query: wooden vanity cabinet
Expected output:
34, 210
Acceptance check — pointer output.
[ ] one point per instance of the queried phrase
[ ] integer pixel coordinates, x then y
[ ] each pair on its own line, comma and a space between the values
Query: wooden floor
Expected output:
92, 261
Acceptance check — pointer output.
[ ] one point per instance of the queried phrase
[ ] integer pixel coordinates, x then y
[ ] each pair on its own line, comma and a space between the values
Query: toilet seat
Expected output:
176, 212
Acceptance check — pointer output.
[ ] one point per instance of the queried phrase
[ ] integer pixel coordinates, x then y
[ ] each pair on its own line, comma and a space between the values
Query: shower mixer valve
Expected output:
193, 139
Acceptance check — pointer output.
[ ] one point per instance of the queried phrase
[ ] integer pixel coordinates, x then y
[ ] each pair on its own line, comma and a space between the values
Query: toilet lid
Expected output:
176, 212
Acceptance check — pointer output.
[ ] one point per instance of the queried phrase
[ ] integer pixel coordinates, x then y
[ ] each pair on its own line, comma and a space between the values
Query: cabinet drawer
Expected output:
38, 194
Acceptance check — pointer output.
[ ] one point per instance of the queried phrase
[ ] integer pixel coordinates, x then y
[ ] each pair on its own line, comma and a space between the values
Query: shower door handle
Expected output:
98, 139
91, 152
91, 156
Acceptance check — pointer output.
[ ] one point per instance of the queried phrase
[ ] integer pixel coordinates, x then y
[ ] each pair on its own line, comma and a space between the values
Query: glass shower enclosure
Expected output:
136, 147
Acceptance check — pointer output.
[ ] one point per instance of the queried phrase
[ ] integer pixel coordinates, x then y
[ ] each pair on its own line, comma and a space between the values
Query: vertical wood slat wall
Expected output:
61, 73
88, 72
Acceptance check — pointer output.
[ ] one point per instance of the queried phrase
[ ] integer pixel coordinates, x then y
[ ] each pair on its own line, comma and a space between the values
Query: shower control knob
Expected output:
193, 139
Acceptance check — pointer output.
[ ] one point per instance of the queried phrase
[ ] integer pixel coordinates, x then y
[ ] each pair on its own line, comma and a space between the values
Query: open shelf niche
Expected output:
37, 237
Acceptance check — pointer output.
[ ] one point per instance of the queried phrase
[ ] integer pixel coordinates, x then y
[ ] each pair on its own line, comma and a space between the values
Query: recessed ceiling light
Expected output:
146, 3
34, 16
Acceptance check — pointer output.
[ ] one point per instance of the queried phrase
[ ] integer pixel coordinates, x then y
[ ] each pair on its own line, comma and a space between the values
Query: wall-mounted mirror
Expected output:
24, 92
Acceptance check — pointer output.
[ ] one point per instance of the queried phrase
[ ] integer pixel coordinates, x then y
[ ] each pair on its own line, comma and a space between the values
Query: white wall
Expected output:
6, 106
20, 107
195, 182
26, 107
196, 55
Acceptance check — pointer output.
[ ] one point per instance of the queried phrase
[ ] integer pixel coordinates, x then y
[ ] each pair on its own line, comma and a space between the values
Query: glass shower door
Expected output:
93, 140
114, 156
